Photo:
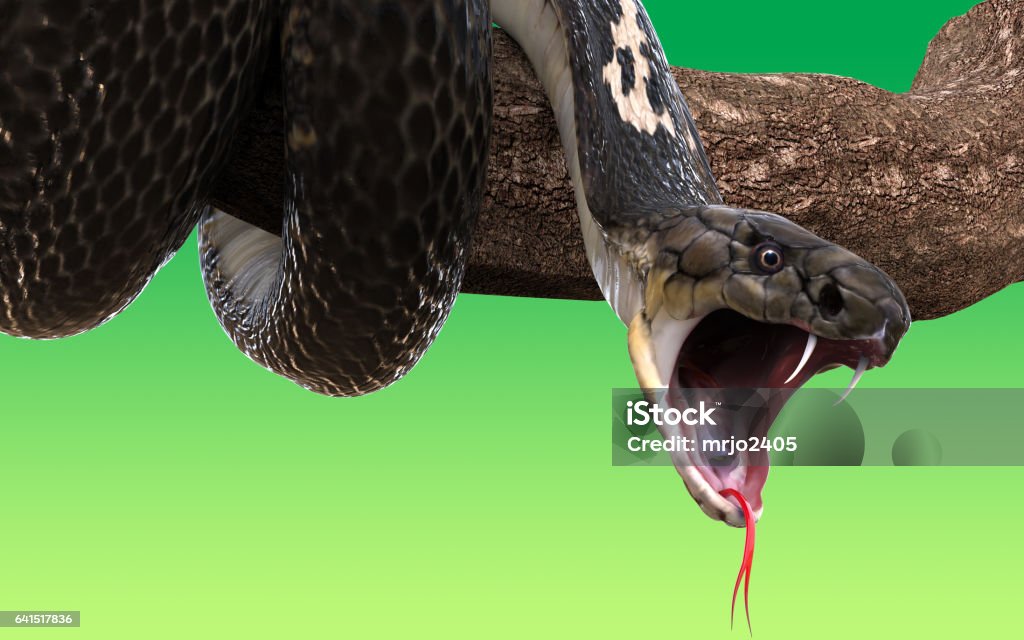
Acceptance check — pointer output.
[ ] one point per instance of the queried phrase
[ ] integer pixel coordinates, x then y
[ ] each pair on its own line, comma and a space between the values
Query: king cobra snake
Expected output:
116, 117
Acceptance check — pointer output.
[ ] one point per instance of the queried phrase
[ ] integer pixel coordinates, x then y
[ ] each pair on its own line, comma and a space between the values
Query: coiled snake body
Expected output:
115, 119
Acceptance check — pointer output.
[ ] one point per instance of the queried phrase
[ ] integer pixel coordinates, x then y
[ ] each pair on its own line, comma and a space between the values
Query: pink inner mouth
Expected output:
728, 351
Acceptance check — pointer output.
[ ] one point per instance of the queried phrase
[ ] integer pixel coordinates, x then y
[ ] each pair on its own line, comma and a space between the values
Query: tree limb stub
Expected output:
928, 185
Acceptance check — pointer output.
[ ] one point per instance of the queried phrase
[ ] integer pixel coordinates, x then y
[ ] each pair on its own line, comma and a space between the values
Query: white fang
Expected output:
812, 341
862, 366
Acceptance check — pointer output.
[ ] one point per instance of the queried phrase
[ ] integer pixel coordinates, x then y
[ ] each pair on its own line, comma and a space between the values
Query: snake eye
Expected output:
767, 258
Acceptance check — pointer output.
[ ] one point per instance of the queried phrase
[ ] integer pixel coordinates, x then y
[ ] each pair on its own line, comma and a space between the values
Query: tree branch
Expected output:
928, 185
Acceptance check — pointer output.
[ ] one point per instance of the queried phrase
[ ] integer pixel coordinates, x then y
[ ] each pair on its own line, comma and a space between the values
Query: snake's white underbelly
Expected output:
535, 25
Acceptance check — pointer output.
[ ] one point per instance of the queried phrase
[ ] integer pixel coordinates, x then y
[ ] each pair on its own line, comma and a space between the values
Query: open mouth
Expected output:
748, 370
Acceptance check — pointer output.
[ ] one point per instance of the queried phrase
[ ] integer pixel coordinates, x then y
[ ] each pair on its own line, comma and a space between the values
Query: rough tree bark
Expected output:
929, 185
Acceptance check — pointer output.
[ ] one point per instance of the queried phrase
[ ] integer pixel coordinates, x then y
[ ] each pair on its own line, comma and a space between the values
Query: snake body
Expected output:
116, 118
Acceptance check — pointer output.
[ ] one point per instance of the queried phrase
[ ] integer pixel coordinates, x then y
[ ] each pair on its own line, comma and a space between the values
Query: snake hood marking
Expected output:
629, 75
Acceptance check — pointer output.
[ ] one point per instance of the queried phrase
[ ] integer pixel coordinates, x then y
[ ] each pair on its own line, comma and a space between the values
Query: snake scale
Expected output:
116, 117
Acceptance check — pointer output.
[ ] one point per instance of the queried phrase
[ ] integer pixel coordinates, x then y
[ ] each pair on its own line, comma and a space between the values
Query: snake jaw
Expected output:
647, 339
725, 355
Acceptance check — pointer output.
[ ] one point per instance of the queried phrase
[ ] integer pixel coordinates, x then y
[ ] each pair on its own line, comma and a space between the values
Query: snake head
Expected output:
739, 299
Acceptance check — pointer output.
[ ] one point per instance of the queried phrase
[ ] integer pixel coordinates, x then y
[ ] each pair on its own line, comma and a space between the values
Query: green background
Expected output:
159, 482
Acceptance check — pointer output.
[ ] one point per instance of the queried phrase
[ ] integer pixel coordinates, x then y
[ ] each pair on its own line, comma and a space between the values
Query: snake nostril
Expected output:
831, 301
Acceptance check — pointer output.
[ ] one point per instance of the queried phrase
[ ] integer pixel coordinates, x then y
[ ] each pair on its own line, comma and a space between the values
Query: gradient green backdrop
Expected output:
159, 482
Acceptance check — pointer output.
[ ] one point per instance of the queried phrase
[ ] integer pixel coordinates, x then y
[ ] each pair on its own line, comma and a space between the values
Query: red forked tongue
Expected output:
748, 556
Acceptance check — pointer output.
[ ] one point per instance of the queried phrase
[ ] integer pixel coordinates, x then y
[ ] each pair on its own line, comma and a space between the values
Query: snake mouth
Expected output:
747, 370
